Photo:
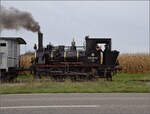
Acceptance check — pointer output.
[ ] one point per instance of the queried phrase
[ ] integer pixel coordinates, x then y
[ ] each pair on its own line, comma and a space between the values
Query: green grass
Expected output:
120, 83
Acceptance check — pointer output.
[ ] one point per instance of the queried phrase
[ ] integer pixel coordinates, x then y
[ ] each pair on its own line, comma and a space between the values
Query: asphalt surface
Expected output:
76, 103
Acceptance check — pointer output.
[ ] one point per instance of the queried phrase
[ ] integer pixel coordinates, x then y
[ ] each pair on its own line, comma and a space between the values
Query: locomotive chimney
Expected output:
40, 40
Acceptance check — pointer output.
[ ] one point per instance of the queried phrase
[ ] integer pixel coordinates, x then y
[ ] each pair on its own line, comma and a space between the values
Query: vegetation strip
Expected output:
138, 83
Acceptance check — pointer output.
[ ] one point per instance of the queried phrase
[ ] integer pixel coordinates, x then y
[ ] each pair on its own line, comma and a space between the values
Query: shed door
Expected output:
3, 61
0, 59
3, 54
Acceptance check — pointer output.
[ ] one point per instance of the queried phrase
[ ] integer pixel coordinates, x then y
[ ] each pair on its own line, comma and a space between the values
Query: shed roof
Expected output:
17, 39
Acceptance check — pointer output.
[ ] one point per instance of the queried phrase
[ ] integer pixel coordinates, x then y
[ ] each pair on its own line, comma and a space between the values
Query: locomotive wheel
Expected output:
79, 75
73, 78
11, 75
58, 76
38, 74
89, 76
3, 76
83, 77
108, 75
94, 73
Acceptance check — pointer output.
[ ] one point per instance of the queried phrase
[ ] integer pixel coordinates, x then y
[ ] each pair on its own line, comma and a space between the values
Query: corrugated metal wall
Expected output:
10, 55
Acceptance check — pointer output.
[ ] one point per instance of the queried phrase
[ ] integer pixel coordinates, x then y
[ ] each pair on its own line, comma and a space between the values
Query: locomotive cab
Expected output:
96, 55
74, 61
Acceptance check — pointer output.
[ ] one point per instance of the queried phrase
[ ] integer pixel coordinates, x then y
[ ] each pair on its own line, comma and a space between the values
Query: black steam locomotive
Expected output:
76, 62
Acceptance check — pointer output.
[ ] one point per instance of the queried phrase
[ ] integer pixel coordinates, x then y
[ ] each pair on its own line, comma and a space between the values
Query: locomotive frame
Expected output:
60, 63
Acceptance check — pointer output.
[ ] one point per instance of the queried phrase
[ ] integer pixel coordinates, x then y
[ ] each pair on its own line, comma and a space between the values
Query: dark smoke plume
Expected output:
14, 19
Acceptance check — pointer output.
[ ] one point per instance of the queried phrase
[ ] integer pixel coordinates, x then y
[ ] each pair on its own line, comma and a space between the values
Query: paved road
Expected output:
76, 103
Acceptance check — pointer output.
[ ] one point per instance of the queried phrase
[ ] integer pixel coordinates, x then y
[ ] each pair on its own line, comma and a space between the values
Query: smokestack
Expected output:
40, 41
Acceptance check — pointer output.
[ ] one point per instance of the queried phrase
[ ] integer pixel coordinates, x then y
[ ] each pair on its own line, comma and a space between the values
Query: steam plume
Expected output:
14, 19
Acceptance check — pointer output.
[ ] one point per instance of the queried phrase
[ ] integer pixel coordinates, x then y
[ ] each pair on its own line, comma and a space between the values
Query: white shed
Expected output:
10, 52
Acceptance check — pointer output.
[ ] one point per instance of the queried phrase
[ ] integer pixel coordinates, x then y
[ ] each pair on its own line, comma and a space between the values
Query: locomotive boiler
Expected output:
76, 62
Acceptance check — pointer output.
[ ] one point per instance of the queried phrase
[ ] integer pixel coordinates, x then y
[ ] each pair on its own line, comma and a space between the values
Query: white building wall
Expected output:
9, 55
3, 55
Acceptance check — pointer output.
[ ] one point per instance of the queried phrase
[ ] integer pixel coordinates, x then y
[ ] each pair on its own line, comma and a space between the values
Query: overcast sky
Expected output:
126, 22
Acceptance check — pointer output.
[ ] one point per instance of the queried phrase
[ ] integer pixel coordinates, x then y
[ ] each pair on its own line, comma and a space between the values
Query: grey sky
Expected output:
126, 22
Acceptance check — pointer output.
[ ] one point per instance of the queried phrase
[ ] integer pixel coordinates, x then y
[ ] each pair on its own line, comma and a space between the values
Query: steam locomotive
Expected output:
76, 62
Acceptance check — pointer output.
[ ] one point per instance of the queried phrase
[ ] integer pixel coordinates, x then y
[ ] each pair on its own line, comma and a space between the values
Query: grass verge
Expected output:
138, 83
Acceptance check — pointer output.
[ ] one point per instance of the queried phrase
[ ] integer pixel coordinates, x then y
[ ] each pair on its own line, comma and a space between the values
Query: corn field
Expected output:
135, 63
131, 63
